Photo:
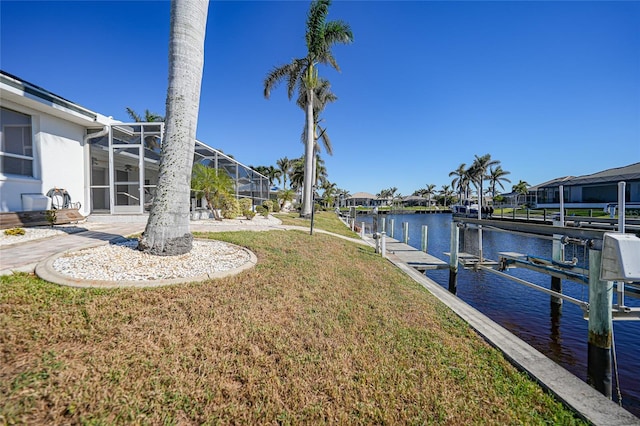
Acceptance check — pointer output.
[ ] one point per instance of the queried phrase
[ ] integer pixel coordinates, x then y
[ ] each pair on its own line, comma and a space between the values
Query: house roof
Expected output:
12, 86
617, 174
362, 195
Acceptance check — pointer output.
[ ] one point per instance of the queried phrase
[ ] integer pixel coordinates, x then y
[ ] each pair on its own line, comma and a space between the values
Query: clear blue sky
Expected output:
548, 88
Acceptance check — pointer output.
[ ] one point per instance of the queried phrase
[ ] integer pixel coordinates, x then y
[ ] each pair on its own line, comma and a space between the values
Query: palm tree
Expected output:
446, 193
297, 173
478, 173
329, 193
429, 190
149, 117
320, 171
273, 174
167, 231
302, 72
342, 195
496, 177
213, 184
285, 195
322, 95
284, 165
460, 181
521, 188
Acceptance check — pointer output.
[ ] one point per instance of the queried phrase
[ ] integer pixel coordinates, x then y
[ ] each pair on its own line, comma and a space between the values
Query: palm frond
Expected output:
133, 115
289, 72
326, 141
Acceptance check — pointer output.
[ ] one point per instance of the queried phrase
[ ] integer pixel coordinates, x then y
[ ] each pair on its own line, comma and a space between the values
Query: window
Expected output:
16, 148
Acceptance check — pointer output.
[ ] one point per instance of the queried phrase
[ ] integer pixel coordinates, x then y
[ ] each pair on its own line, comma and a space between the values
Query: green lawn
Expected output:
322, 330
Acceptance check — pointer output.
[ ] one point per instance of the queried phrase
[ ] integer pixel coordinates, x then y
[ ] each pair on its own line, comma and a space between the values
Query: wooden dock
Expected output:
413, 257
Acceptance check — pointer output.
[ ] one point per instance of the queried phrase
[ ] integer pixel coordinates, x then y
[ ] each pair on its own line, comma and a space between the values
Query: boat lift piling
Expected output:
453, 257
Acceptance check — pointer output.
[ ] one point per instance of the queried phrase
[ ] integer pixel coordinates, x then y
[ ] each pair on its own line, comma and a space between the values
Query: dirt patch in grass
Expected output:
321, 331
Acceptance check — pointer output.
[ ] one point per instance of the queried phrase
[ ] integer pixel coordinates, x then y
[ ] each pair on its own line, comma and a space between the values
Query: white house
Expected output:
105, 166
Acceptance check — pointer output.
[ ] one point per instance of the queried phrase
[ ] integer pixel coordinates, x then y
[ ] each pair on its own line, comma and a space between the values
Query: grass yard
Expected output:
327, 221
321, 331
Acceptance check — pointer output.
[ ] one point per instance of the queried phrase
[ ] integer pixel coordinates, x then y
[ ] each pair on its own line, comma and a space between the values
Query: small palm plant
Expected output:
213, 184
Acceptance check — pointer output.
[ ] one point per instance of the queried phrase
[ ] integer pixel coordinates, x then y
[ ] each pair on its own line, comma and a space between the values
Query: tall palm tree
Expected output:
273, 174
478, 173
446, 193
302, 72
322, 95
496, 177
429, 190
167, 231
460, 181
284, 164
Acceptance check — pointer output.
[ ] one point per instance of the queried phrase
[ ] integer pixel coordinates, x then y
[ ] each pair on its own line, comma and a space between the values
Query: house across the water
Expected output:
55, 154
593, 191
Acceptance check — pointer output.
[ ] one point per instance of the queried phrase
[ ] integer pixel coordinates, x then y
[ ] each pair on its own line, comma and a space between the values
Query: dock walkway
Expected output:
413, 257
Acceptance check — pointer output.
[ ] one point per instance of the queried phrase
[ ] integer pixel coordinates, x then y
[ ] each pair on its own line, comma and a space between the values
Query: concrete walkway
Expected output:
587, 402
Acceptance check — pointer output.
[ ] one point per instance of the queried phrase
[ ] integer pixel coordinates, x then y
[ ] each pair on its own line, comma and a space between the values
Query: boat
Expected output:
471, 211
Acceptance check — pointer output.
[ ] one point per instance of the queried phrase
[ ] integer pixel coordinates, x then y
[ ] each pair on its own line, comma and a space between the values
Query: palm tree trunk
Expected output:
167, 231
307, 192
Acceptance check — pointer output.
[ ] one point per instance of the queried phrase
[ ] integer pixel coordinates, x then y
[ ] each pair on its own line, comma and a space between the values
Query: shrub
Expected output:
276, 207
262, 210
230, 208
14, 231
246, 204
249, 214
268, 205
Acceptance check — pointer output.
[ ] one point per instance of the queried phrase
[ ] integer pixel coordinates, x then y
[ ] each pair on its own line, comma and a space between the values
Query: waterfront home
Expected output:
50, 145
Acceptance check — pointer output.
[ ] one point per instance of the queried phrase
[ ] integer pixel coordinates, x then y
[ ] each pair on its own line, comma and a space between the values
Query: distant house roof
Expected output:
552, 182
362, 195
414, 198
630, 172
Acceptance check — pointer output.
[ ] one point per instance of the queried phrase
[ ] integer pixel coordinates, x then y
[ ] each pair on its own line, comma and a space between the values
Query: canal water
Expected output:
559, 334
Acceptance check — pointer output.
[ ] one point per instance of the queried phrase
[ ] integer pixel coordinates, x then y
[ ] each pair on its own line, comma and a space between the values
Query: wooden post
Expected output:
383, 244
425, 236
600, 328
405, 232
453, 258
391, 226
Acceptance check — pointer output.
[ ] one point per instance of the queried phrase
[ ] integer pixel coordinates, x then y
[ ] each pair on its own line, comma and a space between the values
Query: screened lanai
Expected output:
125, 159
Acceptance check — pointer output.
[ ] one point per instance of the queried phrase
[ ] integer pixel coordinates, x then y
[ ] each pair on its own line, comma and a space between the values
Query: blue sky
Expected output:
548, 88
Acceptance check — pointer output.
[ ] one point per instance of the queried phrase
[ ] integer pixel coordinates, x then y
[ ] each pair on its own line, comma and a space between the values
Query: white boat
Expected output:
470, 210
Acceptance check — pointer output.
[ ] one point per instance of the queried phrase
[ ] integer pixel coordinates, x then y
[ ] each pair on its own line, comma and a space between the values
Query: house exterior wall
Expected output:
60, 142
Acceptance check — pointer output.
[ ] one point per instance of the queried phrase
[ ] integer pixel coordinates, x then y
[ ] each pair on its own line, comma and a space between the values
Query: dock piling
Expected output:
453, 258
600, 327
557, 254
405, 232
425, 234
391, 226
